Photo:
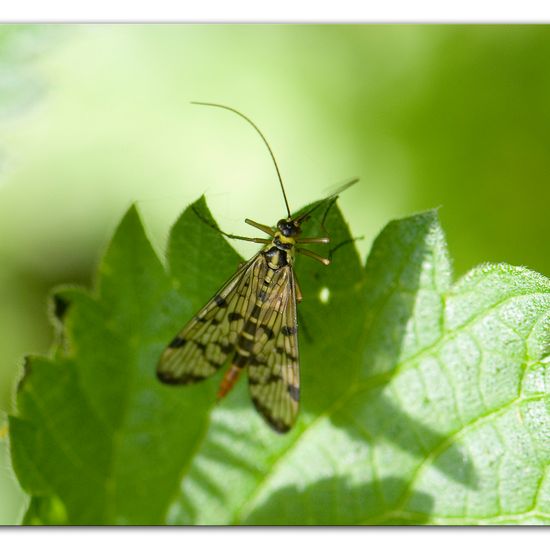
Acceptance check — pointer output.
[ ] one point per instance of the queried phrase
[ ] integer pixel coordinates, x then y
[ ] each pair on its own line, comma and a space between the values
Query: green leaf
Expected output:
423, 401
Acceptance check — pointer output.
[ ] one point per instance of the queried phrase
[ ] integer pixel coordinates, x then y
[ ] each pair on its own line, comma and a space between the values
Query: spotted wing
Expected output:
202, 346
273, 368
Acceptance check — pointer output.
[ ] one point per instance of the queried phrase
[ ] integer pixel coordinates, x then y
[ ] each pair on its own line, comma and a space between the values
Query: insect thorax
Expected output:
280, 252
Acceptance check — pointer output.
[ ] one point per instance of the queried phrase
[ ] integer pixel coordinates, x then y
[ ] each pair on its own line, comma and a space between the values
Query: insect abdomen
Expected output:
245, 342
276, 258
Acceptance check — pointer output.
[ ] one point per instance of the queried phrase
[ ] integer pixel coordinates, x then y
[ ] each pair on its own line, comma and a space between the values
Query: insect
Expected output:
252, 319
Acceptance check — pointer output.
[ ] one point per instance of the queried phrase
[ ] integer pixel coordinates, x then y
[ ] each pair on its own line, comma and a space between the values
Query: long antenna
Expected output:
261, 135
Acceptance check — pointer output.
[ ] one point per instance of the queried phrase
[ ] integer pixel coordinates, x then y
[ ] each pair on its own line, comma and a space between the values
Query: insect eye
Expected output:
286, 228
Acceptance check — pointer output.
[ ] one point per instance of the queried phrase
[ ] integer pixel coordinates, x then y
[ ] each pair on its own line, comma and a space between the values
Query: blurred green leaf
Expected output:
423, 401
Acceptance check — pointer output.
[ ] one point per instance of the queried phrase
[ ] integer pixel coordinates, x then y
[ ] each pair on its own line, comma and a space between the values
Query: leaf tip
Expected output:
59, 305
27, 370
197, 211
131, 217
201, 210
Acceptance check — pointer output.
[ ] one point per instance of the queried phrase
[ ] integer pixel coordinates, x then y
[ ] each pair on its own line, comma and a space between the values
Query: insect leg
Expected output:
229, 235
314, 240
320, 240
298, 289
260, 226
303, 327
330, 205
250, 239
313, 255
325, 215
343, 243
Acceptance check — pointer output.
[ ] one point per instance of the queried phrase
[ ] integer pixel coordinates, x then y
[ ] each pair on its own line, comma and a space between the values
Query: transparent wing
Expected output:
273, 368
202, 346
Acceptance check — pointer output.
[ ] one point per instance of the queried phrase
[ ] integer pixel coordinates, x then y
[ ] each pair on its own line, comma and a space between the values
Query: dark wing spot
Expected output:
254, 381
201, 319
177, 342
234, 316
246, 343
225, 348
256, 361
255, 312
281, 351
269, 333
201, 346
169, 378
220, 302
277, 424
294, 392
287, 331
239, 360
262, 296
272, 378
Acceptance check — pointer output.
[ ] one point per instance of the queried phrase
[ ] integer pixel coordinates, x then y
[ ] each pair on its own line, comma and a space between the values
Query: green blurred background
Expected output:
95, 117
